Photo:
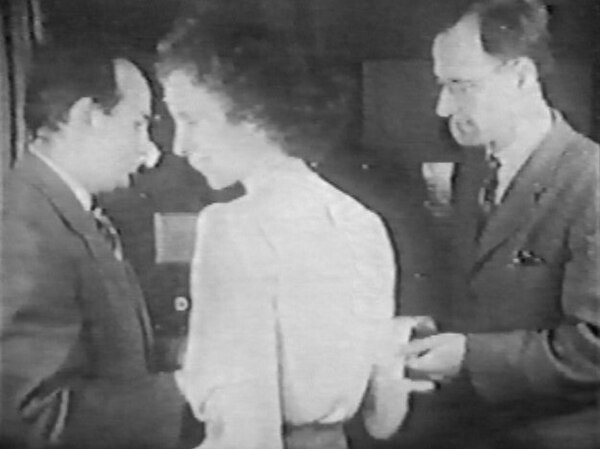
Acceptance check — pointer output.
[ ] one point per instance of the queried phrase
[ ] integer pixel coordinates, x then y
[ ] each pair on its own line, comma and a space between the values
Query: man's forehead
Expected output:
131, 82
459, 51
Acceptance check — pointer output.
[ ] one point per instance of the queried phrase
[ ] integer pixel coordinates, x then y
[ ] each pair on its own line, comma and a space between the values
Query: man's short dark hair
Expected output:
515, 28
60, 76
267, 76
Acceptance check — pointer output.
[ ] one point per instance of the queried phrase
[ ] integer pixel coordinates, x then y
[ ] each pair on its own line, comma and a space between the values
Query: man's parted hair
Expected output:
515, 28
60, 76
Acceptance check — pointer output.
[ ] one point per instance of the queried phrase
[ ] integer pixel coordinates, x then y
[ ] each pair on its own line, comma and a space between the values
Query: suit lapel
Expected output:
37, 173
141, 307
526, 193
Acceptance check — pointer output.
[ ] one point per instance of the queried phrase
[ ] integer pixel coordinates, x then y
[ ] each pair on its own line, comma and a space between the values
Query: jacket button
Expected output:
181, 304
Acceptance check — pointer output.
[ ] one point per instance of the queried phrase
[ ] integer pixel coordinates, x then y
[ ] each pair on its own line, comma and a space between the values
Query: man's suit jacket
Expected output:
530, 303
75, 334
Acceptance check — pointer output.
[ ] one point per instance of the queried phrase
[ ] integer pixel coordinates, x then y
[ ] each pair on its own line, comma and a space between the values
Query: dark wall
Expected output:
138, 22
388, 43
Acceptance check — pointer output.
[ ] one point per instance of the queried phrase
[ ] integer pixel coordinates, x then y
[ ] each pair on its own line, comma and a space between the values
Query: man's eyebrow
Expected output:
452, 81
184, 115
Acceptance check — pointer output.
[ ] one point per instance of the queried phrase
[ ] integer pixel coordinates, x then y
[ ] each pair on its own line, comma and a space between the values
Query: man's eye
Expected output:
187, 120
461, 87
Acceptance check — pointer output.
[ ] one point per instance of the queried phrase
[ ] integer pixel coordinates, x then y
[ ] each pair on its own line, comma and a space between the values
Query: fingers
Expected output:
421, 386
427, 366
426, 362
413, 325
425, 325
439, 357
418, 347
403, 327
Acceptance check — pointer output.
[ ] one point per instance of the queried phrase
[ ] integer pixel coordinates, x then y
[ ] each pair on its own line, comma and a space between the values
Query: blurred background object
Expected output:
20, 30
385, 46
393, 141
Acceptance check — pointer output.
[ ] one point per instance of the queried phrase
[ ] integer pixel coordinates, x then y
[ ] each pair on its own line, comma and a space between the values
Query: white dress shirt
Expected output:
293, 292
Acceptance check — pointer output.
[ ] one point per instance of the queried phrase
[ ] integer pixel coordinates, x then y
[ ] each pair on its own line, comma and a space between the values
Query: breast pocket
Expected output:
538, 277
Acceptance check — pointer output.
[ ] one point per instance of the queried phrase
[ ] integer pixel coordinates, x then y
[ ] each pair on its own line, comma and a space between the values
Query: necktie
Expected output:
487, 194
108, 231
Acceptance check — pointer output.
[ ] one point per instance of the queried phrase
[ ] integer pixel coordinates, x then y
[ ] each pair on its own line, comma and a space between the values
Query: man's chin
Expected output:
217, 184
123, 183
127, 181
465, 134
466, 139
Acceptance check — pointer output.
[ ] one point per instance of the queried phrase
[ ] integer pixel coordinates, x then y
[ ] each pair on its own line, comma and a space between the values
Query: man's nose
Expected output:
150, 154
445, 103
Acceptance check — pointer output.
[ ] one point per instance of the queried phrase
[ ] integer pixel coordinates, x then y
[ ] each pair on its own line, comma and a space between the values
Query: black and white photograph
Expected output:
300, 224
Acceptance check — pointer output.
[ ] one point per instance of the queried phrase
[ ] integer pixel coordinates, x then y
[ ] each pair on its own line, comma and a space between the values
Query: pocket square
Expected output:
527, 258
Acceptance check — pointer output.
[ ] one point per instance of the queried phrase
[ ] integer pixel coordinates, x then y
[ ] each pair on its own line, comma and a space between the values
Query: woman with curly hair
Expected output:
292, 284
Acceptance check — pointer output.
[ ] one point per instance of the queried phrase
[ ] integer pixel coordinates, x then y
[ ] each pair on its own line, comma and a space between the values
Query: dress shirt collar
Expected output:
514, 156
82, 195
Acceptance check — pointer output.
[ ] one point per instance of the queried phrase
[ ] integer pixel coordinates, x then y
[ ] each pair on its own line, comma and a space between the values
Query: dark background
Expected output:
386, 44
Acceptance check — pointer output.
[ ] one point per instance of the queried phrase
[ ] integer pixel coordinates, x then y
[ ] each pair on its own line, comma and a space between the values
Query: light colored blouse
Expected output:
292, 290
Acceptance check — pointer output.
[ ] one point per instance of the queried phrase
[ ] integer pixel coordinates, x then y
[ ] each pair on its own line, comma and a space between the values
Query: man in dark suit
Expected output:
75, 337
525, 339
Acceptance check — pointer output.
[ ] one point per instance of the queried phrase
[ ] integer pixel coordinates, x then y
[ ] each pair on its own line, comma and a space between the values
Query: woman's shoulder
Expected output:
308, 194
222, 217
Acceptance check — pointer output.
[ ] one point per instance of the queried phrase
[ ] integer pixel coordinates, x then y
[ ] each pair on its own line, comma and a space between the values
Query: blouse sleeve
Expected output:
387, 399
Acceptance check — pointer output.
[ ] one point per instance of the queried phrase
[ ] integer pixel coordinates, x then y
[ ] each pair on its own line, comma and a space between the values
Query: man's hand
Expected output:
438, 357
413, 327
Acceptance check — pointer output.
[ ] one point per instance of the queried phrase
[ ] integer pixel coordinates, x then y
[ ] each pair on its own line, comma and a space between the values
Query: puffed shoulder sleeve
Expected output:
374, 264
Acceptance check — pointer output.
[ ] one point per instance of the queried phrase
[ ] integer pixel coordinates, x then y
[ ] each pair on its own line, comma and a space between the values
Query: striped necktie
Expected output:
487, 194
108, 231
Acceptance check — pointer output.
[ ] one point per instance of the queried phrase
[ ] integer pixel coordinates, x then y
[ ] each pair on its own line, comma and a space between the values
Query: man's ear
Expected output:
526, 71
85, 112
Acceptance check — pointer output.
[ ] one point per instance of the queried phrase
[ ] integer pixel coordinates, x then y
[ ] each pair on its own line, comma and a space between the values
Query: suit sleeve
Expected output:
563, 362
47, 398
